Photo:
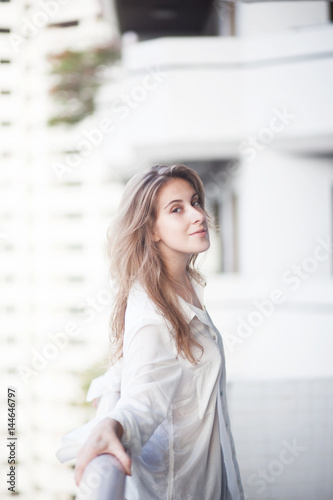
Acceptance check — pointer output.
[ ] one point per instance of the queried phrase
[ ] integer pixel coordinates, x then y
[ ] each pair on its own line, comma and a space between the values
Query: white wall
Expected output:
212, 93
269, 17
285, 205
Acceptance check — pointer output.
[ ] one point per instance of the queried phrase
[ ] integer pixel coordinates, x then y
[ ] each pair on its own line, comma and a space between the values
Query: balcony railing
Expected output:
103, 479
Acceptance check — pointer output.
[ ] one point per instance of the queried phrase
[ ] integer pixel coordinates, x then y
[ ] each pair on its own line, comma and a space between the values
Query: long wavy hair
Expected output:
133, 255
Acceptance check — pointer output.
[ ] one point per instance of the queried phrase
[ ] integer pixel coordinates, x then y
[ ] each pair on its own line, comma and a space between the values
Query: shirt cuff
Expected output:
131, 436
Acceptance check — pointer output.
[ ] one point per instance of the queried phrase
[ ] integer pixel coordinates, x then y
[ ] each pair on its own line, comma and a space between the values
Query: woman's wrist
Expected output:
117, 427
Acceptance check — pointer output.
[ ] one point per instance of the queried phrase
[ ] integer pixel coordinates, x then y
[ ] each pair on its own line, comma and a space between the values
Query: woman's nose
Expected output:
196, 215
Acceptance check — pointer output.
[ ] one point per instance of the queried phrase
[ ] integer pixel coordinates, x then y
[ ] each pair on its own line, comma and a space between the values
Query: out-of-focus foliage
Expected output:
78, 75
88, 375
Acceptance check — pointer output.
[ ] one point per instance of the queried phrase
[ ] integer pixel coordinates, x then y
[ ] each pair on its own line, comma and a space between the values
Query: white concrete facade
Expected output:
52, 268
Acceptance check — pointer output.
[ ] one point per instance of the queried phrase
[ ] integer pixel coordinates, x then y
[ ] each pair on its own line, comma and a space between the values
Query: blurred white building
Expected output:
52, 267
239, 91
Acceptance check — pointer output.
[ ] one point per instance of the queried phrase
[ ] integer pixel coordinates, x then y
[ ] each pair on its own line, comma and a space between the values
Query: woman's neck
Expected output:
187, 292
178, 271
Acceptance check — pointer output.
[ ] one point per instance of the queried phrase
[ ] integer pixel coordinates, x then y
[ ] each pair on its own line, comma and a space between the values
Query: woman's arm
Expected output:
150, 378
151, 375
105, 438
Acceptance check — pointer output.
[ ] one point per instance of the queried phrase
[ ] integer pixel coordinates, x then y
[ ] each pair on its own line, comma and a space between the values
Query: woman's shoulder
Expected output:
140, 309
143, 321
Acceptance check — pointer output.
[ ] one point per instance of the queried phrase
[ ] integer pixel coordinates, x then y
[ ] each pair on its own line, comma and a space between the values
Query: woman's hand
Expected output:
105, 438
95, 402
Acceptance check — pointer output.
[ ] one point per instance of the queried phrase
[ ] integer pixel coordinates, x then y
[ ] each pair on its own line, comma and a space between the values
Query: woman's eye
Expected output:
177, 210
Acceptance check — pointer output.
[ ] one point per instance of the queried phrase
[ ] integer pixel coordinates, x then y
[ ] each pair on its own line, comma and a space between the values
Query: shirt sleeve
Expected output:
150, 378
109, 382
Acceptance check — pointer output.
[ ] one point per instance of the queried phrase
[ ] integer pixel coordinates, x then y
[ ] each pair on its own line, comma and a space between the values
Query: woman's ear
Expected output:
155, 237
154, 233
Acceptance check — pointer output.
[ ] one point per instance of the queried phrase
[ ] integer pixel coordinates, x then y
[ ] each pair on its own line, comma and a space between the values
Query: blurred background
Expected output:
93, 91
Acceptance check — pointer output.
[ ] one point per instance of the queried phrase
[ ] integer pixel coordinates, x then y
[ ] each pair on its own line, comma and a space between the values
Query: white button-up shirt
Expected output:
174, 414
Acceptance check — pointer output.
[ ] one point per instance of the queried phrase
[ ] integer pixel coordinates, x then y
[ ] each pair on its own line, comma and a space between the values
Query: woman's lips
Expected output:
200, 233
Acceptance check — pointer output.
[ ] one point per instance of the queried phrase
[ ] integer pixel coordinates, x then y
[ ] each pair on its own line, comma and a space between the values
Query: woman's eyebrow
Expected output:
179, 201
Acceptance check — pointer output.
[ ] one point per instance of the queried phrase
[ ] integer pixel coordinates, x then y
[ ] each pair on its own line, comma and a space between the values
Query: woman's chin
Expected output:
204, 247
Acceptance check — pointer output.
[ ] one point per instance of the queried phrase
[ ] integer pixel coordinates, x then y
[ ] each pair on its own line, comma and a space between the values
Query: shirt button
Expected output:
221, 393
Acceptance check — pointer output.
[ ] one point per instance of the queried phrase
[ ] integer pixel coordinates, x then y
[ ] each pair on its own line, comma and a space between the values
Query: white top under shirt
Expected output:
174, 414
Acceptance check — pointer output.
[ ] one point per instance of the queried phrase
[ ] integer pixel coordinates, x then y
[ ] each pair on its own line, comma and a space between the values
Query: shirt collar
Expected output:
189, 310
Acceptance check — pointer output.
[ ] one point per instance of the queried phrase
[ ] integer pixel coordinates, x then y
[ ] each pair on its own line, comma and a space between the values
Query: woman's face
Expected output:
179, 218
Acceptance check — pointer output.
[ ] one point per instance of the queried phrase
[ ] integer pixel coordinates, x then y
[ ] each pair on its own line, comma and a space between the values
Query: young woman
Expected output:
162, 405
